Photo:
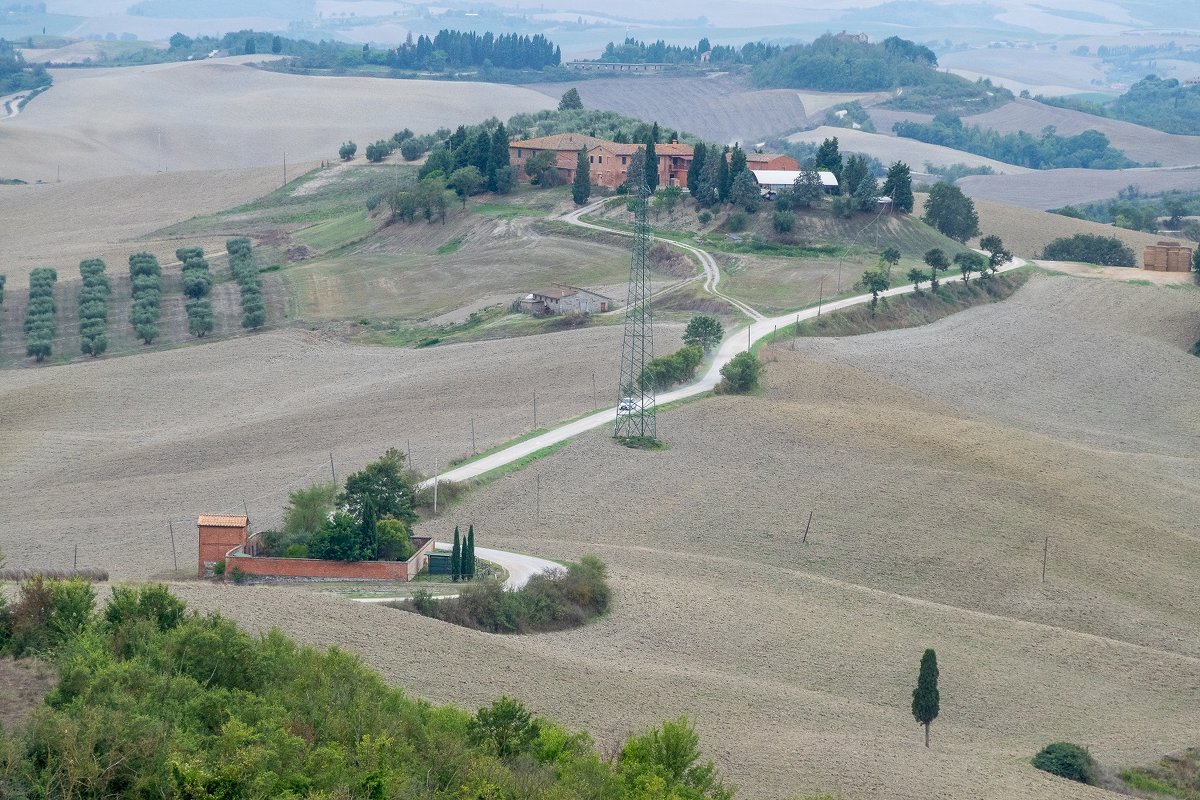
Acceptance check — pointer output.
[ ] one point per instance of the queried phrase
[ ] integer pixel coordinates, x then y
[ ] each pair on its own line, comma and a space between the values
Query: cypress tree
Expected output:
456, 558
724, 177
925, 697
652, 160
499, 155
581, 189
696, 168
471, 552
737, 162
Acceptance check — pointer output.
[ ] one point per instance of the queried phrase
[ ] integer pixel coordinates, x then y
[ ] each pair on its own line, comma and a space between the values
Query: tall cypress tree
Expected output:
737, 162
581, 189
652, 160
498, 157
456, 558
471, 552
925, 696
724, 178
696, 168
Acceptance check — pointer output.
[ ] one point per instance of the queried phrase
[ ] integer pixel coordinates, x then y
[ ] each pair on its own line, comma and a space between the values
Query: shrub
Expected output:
741, 374
347, 151
410, 150
393, 540
378, 151
1103, 250
736, 222
40, 328
241, 264
295, 551
145, 281
93, 307
667, 371
783, 221
704, 217
1068, 761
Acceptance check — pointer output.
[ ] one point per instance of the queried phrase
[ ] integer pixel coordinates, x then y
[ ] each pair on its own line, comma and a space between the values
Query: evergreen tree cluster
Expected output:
462, 556
197, 286
156, 701
601, 124
1088, 150
145, 278
40, 327
244, 271
458, 49
93, 307
484, 147
632, 51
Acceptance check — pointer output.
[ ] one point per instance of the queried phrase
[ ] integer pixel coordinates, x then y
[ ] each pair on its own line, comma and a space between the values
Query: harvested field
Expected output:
797, 663
893, 148
1026, 231
1049, 72
167, 435
1142, 144
106, 122
60, 224
1055, 188
1082, 270
721, 109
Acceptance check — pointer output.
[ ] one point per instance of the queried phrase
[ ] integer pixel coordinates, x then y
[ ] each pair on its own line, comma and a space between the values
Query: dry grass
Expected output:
934, 476
106, 122
1139, 143
892, 148
1040, 71
1027, 231
23, 684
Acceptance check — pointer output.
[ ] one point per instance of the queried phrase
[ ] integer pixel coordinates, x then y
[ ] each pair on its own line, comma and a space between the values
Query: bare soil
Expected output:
937, 461
1055, 188
23, 684
889, 149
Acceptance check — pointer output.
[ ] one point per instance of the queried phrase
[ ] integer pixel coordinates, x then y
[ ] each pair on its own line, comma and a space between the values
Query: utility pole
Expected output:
174, 558
820, 298
473, 450
594, 401
435, 484
537, 498
806, 527
535, 411
1045, 553
332, 471
75, 564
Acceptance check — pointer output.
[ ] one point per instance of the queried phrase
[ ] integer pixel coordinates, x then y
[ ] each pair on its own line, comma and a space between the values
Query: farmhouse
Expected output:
773, 161
770, 181
565, 146
560, 299
608, 163
1167, 257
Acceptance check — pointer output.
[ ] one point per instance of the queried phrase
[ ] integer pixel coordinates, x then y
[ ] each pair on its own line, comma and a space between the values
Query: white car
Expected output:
628, 405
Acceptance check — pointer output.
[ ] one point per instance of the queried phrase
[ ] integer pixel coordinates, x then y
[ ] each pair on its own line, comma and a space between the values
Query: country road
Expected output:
733, 344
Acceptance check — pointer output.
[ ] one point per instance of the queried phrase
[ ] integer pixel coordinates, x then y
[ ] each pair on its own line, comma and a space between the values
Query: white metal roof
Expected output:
786, 177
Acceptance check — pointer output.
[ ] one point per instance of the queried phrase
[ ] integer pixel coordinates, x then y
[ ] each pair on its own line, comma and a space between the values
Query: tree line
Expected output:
1136, 211
156, 700
1164, 104
1088, 150
145, 281
16, 75
462, 556
633, 51
93, 307
245, 272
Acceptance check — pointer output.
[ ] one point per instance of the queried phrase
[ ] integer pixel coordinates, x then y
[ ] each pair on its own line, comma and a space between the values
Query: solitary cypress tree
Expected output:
925, 696
470, 570
581, 190
498, 157
456, 558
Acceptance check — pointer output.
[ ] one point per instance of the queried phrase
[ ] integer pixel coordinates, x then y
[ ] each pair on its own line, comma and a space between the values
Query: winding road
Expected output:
736, 342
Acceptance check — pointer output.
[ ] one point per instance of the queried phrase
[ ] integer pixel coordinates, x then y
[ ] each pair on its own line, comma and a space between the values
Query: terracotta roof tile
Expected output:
222, 521
559, 141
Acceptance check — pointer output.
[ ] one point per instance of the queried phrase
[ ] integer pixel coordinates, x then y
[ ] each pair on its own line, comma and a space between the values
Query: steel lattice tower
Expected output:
635, 402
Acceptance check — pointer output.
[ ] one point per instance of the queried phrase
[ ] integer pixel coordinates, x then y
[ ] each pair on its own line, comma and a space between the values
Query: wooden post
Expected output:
75, 564
174, 558
473, 450
537, 512
806, 527
535, 411
1045, 553
594, 402
435, 484
332, 471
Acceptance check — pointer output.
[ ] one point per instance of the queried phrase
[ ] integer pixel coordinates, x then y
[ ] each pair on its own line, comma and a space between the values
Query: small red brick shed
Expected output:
218, 535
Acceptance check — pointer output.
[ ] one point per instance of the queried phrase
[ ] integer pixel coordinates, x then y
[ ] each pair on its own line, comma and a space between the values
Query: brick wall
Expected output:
335, 570
215, 542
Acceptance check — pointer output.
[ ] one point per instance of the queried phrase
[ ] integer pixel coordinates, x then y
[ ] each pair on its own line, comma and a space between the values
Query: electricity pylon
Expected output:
635, 401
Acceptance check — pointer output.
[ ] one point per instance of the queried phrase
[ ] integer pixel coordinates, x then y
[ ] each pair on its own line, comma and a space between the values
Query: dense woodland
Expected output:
1089, 149
1173, 211
1160, 103
16, 75
154, 701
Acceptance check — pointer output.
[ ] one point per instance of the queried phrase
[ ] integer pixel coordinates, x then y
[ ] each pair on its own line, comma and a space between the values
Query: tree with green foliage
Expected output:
828, 158
179, 41
745, 192
570, 101
581, 189
393, 540
650, 163
951, 212
1108, 251
925, 699
898, 186
707, 191
378, 151
876, 282
347, 150
308, 510
737, 162
853, 172
340, 539
741, 374
783, 220
696, 168
145, 277
890, 256
456, 558
666, 763
1195, 267
499, 167
466, 182
937, 261
1, 289
915, 276
969, 262
93, 307
542, 168
1068, 761
505, 728
808, 188
385, 484
470, 553
997, 254
866, 194
276, 44
724, 176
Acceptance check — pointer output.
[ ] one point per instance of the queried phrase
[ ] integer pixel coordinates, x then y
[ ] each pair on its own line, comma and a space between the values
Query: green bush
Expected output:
667, 371
741, 374
145, 277
704, 217
736, 222
295, 551
1103, 250
783, 221
40, 328
1068, 761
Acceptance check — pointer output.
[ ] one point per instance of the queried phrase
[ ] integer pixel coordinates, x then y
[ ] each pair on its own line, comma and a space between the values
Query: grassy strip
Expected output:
909, 310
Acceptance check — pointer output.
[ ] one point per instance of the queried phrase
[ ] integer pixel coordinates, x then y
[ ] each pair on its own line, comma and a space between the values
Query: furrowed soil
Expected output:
1055, 188
889, 149
105, 122
935, 477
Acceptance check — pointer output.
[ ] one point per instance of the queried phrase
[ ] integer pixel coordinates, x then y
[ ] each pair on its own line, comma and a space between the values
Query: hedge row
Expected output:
93, 307
39, 315
146, 283
241, 264
197, 285
669, 370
